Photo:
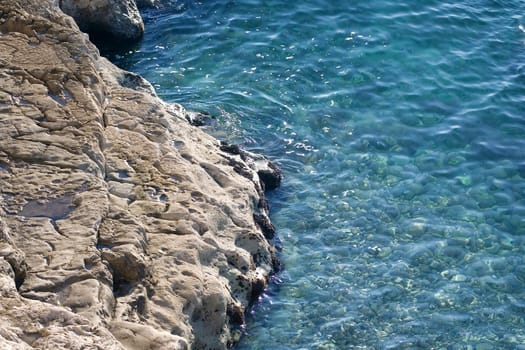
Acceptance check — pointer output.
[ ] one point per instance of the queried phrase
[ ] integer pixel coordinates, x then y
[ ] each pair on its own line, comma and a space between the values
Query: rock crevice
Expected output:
122, 225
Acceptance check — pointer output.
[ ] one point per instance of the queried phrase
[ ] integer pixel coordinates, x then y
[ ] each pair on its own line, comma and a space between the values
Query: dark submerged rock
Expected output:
271, 177
199, 118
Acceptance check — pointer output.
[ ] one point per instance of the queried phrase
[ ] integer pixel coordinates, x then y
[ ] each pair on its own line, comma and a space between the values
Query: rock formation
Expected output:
119, 19
122, 226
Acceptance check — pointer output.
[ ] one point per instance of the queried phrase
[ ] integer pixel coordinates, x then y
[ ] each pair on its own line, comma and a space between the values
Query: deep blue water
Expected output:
400, 127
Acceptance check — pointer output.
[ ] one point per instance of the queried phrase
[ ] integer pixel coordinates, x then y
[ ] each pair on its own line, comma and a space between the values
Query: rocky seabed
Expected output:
122, 225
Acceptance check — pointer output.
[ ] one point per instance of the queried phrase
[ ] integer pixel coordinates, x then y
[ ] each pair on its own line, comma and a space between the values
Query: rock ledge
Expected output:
122, 226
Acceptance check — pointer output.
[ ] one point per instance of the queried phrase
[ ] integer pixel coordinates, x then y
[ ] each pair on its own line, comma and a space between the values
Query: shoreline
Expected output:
122, 226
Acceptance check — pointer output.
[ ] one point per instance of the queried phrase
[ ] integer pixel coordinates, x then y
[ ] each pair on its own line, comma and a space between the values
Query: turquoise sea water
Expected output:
400, 127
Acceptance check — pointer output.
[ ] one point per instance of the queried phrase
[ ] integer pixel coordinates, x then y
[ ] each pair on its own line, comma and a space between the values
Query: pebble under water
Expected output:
400, 127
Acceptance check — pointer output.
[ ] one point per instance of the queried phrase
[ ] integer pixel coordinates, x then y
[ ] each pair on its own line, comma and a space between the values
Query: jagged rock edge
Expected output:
261, 208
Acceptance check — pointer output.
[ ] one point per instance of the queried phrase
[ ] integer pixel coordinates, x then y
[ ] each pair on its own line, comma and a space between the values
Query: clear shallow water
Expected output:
401, 131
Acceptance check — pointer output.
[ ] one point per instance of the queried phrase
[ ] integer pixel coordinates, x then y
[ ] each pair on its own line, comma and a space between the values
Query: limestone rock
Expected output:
122, 226
118, 19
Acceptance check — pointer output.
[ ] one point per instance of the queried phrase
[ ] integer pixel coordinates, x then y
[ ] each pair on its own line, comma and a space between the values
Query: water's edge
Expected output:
400, 129
121, 223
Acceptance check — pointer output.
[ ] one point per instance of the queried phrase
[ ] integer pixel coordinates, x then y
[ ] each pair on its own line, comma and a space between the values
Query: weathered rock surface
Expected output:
119, 19
122, 226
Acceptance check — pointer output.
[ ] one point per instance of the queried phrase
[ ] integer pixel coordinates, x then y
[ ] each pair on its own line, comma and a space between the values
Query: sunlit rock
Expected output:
122, 226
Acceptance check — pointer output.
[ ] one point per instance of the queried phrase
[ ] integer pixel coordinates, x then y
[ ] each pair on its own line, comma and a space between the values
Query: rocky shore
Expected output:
122, 226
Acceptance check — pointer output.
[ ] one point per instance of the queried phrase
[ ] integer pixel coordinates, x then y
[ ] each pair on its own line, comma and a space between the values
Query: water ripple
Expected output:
400, 128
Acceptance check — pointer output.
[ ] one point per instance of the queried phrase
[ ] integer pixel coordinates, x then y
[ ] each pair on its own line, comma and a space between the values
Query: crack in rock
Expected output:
122, 225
